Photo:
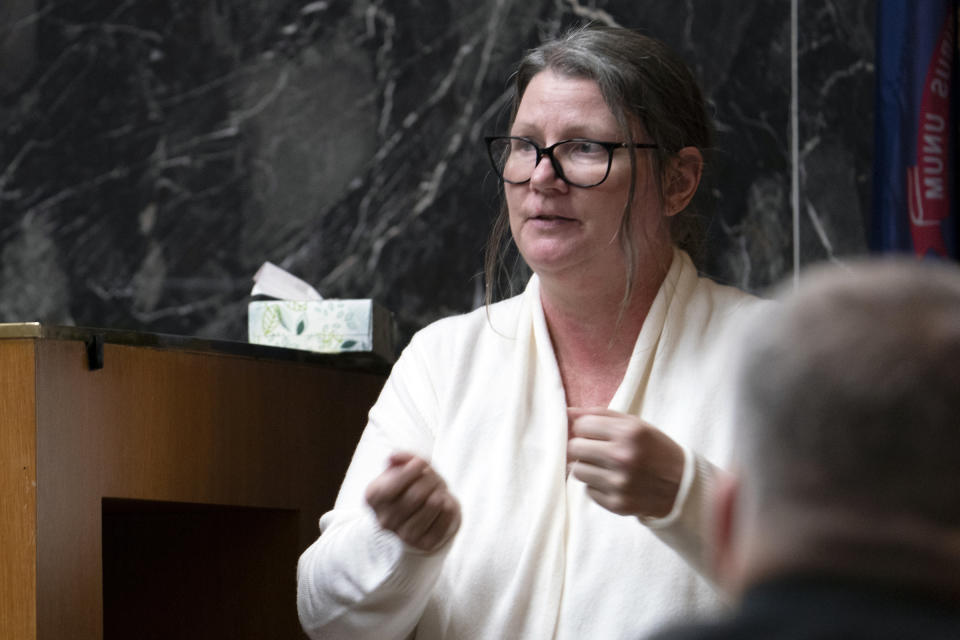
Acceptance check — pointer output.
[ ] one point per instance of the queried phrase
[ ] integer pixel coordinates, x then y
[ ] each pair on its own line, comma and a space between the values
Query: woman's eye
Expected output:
521, 147
586, 148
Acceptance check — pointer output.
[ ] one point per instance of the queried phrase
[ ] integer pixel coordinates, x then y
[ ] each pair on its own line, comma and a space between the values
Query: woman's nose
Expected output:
545, 174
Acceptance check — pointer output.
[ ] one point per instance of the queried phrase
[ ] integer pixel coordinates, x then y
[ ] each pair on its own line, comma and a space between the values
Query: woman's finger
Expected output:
596, 452
394, 481
416, 526
445, 525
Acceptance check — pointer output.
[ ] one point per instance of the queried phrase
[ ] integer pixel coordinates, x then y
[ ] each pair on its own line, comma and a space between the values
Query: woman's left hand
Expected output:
629, 466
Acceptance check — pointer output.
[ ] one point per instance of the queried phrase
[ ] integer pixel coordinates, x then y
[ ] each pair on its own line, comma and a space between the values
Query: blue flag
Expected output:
915, 172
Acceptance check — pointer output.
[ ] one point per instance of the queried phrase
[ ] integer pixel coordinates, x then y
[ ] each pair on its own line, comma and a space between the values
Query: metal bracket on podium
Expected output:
94, 351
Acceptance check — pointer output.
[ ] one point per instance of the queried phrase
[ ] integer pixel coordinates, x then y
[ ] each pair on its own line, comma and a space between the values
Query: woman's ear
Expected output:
681, 179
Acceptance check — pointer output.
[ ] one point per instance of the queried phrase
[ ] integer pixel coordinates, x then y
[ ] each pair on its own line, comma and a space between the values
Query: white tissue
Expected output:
271, 280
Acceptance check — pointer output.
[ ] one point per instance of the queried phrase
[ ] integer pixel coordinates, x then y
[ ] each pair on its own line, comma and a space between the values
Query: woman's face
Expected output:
560, 229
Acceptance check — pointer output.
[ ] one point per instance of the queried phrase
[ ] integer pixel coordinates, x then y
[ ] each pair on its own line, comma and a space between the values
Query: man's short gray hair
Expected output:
850, 392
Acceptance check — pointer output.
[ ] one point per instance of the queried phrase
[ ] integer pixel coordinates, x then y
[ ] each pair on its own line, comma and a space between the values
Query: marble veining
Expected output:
154, 154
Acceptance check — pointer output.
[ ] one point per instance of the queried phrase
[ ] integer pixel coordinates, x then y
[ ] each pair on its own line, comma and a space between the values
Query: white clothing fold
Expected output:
480, 396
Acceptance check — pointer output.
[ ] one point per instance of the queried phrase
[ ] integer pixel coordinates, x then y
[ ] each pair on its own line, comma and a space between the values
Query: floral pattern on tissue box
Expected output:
326, 326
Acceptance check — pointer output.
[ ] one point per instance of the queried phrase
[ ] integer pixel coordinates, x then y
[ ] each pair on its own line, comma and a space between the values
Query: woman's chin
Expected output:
548, 257
559, 264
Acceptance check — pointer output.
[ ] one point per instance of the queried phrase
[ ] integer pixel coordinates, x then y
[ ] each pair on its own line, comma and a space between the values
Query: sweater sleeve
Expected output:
706, 333
686, 529
358, 580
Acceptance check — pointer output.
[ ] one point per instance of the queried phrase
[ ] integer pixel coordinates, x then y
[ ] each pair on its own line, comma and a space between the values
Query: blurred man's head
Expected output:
849, 427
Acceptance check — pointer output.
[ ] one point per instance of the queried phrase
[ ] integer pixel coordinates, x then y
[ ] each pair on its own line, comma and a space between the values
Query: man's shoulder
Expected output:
725, 630
814, 608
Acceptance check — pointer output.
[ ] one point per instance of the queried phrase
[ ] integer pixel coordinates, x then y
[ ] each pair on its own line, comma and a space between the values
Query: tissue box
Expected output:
324, 326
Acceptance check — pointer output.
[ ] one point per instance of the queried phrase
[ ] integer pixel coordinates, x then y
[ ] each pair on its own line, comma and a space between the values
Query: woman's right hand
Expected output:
412, 500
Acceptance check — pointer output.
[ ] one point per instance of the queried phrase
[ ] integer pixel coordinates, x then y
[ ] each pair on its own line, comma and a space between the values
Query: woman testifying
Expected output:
537, 468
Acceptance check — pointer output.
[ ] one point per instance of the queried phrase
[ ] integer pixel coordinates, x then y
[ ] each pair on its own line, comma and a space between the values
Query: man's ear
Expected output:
681, 179
726, 559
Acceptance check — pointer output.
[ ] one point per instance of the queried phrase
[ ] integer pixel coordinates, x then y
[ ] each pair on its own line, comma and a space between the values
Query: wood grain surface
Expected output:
174, 489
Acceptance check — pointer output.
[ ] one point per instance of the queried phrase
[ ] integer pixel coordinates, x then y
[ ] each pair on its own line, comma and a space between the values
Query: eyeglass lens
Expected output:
582, 163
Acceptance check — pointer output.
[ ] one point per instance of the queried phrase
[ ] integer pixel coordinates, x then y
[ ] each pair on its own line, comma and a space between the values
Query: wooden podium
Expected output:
162, 487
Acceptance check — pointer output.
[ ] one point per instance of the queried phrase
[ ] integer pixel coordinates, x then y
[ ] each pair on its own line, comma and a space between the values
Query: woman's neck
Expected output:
594, 334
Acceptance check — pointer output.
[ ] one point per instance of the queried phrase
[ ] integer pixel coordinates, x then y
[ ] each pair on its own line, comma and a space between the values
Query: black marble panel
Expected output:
153, 153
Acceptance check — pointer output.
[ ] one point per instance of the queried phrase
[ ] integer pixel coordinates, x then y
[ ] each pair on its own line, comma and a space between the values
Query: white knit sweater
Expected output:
535, 557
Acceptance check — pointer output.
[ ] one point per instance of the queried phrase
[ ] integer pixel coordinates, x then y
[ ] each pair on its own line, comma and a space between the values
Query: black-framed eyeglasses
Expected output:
579, 162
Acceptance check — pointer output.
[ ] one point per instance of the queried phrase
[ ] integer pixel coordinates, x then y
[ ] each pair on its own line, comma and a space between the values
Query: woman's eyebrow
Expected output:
572, 132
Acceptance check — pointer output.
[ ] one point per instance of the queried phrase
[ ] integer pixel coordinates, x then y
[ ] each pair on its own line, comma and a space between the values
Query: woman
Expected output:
511, 482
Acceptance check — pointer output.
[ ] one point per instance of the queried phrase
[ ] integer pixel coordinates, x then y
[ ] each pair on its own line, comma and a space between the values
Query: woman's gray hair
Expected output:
642, 82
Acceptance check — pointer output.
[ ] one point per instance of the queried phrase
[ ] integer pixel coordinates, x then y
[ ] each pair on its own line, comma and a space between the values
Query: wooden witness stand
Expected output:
159, 487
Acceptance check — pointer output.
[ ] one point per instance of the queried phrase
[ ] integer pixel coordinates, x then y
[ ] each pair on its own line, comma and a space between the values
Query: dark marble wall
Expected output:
153, 153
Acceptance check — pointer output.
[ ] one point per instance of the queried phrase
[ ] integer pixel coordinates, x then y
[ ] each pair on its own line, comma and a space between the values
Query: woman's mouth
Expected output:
545, 221
550, 218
